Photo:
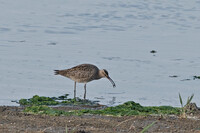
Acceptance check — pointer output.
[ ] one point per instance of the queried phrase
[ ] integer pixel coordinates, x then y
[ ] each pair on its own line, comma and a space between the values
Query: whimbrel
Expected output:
84, 73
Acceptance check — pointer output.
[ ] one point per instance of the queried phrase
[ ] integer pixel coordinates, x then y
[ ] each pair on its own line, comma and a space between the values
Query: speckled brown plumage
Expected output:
84, 73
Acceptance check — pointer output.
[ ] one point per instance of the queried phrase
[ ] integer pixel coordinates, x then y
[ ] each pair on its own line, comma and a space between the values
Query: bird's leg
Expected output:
75, 90
85, 91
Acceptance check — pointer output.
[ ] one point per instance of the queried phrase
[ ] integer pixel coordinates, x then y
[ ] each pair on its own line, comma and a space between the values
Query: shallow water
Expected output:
39, 36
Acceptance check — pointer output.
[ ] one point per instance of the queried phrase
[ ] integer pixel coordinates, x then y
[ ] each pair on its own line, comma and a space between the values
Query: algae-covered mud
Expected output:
60, 100
126, 109
61, 114
36, 105
128, 117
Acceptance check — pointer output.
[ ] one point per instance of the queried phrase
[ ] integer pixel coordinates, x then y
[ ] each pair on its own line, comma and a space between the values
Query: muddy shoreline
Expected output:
13, 119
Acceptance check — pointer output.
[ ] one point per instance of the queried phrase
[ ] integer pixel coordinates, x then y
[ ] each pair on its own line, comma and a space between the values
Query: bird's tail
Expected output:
57, 72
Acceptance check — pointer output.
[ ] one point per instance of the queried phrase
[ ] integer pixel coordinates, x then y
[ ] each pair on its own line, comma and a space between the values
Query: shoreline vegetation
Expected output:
62, 114
42, 105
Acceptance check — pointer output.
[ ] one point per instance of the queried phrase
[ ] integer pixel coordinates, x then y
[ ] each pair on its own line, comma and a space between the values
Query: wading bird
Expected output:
84, 73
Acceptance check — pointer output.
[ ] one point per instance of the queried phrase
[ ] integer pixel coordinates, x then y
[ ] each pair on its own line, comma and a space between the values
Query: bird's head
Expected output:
104, 74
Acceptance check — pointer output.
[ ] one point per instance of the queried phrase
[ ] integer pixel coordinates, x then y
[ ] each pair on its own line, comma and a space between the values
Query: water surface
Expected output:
39, 36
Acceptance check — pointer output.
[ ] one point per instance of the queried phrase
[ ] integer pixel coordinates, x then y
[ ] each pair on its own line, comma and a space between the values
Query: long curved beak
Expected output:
113, 83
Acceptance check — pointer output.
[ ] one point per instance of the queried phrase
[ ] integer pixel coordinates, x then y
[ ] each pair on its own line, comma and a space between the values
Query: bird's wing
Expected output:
84, 71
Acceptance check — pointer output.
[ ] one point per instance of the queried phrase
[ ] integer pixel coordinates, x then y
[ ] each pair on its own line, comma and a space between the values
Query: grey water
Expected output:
39, 36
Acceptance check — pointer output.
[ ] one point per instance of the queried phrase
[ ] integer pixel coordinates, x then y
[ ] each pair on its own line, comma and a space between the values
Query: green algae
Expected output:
40, 105
60, 100
43, 109
127, 109
196, 77
37, 100
132, 108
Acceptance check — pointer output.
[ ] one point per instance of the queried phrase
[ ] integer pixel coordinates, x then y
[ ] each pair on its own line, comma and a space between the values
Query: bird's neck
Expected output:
100, 75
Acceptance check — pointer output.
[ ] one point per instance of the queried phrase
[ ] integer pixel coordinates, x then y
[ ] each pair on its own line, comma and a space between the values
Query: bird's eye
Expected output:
105, 71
